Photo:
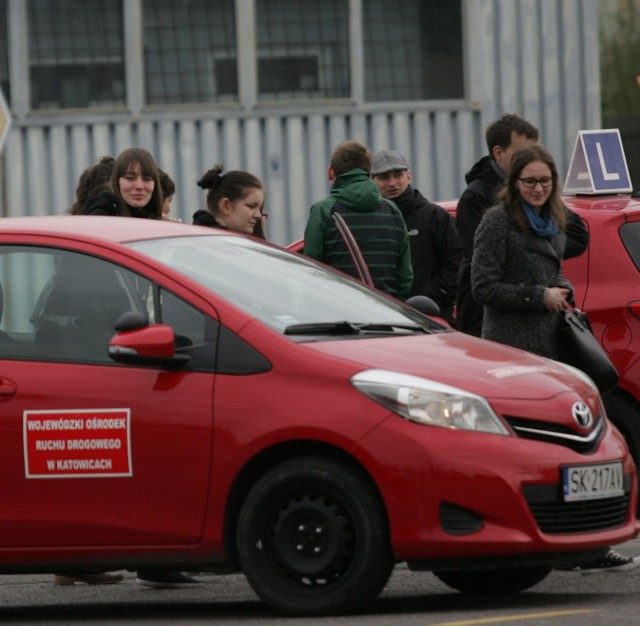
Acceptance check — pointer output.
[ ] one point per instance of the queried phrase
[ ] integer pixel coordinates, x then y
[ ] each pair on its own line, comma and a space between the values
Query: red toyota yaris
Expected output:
605, 280
180, 397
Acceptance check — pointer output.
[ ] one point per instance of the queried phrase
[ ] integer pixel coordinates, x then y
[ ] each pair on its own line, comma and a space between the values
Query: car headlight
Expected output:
427, 402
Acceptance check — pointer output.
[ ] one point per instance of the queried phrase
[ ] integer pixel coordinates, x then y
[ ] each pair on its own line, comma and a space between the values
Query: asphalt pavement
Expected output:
562, 599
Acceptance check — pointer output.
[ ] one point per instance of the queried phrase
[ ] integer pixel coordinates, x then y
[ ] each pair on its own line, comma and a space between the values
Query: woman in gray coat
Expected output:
516, 276
518, 248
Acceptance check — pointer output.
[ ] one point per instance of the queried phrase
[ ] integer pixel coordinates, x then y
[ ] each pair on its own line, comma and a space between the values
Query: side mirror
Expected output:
424, 305
131, 320
151, 345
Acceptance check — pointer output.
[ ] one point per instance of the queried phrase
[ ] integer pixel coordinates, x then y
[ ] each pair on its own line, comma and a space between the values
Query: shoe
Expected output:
166, 580
95, 578
612, 562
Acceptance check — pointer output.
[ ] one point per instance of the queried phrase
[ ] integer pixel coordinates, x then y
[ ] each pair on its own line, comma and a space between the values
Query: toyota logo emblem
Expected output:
582, 414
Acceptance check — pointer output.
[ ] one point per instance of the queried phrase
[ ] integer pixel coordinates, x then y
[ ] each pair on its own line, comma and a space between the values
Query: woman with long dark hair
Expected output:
135, 182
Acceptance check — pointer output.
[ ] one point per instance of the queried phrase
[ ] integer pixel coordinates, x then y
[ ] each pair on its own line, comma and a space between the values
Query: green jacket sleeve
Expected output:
315, 232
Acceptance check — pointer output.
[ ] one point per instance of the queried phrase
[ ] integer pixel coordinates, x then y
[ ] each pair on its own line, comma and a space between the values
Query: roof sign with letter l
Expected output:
598, 164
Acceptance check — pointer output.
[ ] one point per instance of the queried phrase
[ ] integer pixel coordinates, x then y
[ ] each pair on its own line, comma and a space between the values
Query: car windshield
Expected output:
289, 293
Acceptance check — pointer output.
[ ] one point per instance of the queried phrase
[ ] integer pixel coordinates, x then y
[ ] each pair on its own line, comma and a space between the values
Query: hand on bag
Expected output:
555, 299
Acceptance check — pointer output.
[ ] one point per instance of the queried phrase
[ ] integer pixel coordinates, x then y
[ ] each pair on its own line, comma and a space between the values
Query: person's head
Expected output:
136, 183
347, 156
168, 188
390, 172
93, 180
506, 135
533, 177
234, 198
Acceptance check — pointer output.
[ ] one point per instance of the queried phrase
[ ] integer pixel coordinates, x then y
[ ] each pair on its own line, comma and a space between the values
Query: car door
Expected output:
96, 453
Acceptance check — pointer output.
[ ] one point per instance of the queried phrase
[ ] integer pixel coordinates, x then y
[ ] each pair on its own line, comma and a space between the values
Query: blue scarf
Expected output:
543, 225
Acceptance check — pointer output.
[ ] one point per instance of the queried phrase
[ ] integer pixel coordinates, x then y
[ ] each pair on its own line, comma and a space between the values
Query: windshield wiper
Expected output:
349, 328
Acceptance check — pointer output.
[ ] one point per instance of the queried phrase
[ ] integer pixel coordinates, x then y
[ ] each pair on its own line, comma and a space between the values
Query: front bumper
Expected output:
464, 499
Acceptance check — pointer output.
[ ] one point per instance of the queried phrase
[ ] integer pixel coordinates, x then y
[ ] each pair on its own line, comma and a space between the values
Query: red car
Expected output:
180, 397
606, 279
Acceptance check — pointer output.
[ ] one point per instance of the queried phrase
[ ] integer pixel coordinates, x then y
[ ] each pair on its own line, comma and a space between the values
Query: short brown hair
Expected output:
499, 132
350, 155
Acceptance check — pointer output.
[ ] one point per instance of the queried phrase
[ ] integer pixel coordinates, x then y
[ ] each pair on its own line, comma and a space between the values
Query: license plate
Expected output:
592, 482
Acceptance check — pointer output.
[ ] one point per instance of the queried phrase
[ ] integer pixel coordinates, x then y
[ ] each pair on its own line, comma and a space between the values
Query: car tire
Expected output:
624, 413
313, 538
494, 581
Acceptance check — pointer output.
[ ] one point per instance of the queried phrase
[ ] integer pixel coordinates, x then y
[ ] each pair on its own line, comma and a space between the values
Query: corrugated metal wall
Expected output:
538, 58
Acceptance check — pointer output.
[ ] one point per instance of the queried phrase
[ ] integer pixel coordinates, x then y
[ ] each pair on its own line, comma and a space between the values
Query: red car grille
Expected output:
556, 517
558, 434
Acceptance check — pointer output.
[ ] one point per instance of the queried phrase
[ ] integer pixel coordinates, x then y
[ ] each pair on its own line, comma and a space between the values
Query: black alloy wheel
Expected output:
313, 538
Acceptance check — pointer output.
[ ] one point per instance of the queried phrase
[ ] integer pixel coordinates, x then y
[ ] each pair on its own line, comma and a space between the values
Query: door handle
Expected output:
7, 388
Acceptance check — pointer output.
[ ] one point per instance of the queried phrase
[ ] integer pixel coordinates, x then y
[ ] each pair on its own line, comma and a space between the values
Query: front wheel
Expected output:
494, 581
313, 538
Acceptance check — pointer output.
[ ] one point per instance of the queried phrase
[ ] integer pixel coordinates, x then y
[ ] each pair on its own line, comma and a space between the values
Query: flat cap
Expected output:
387, 161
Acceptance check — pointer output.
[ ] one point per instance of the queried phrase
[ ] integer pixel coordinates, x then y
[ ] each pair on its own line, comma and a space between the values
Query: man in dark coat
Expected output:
434, 241
484, 179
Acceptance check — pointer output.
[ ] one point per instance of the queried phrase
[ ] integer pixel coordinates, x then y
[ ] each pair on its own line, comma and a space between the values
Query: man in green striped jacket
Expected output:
376, 224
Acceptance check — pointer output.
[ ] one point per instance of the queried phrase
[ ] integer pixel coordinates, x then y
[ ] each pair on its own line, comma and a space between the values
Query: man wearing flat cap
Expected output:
435, 246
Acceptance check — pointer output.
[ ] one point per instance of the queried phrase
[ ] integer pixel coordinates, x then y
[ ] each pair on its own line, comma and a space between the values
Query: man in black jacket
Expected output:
503, 137
434, 242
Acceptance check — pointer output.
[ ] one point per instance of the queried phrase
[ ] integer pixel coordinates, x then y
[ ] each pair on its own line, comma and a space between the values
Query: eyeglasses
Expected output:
530, 183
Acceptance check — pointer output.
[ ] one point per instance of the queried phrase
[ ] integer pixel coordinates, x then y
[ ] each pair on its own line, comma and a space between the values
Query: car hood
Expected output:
483, 367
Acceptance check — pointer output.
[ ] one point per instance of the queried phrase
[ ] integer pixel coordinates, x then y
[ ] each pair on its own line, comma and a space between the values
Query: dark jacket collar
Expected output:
205, 218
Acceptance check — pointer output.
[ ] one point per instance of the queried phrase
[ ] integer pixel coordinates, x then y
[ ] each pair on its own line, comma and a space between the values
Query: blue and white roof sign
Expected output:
598, 164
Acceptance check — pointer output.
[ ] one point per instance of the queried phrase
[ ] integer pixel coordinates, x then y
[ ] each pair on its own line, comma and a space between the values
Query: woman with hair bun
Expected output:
234, 201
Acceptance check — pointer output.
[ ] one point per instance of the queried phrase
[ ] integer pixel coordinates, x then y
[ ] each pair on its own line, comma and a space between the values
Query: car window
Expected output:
58, 305
195, 333
24, 276
187, 322
630, 234
277, 287
62, 306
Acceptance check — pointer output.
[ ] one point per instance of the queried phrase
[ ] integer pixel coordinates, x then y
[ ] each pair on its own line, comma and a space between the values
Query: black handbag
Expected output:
578, 347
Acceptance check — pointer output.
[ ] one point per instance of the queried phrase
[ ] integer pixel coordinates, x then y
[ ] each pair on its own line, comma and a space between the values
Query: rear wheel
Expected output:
494, 581
313, 538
